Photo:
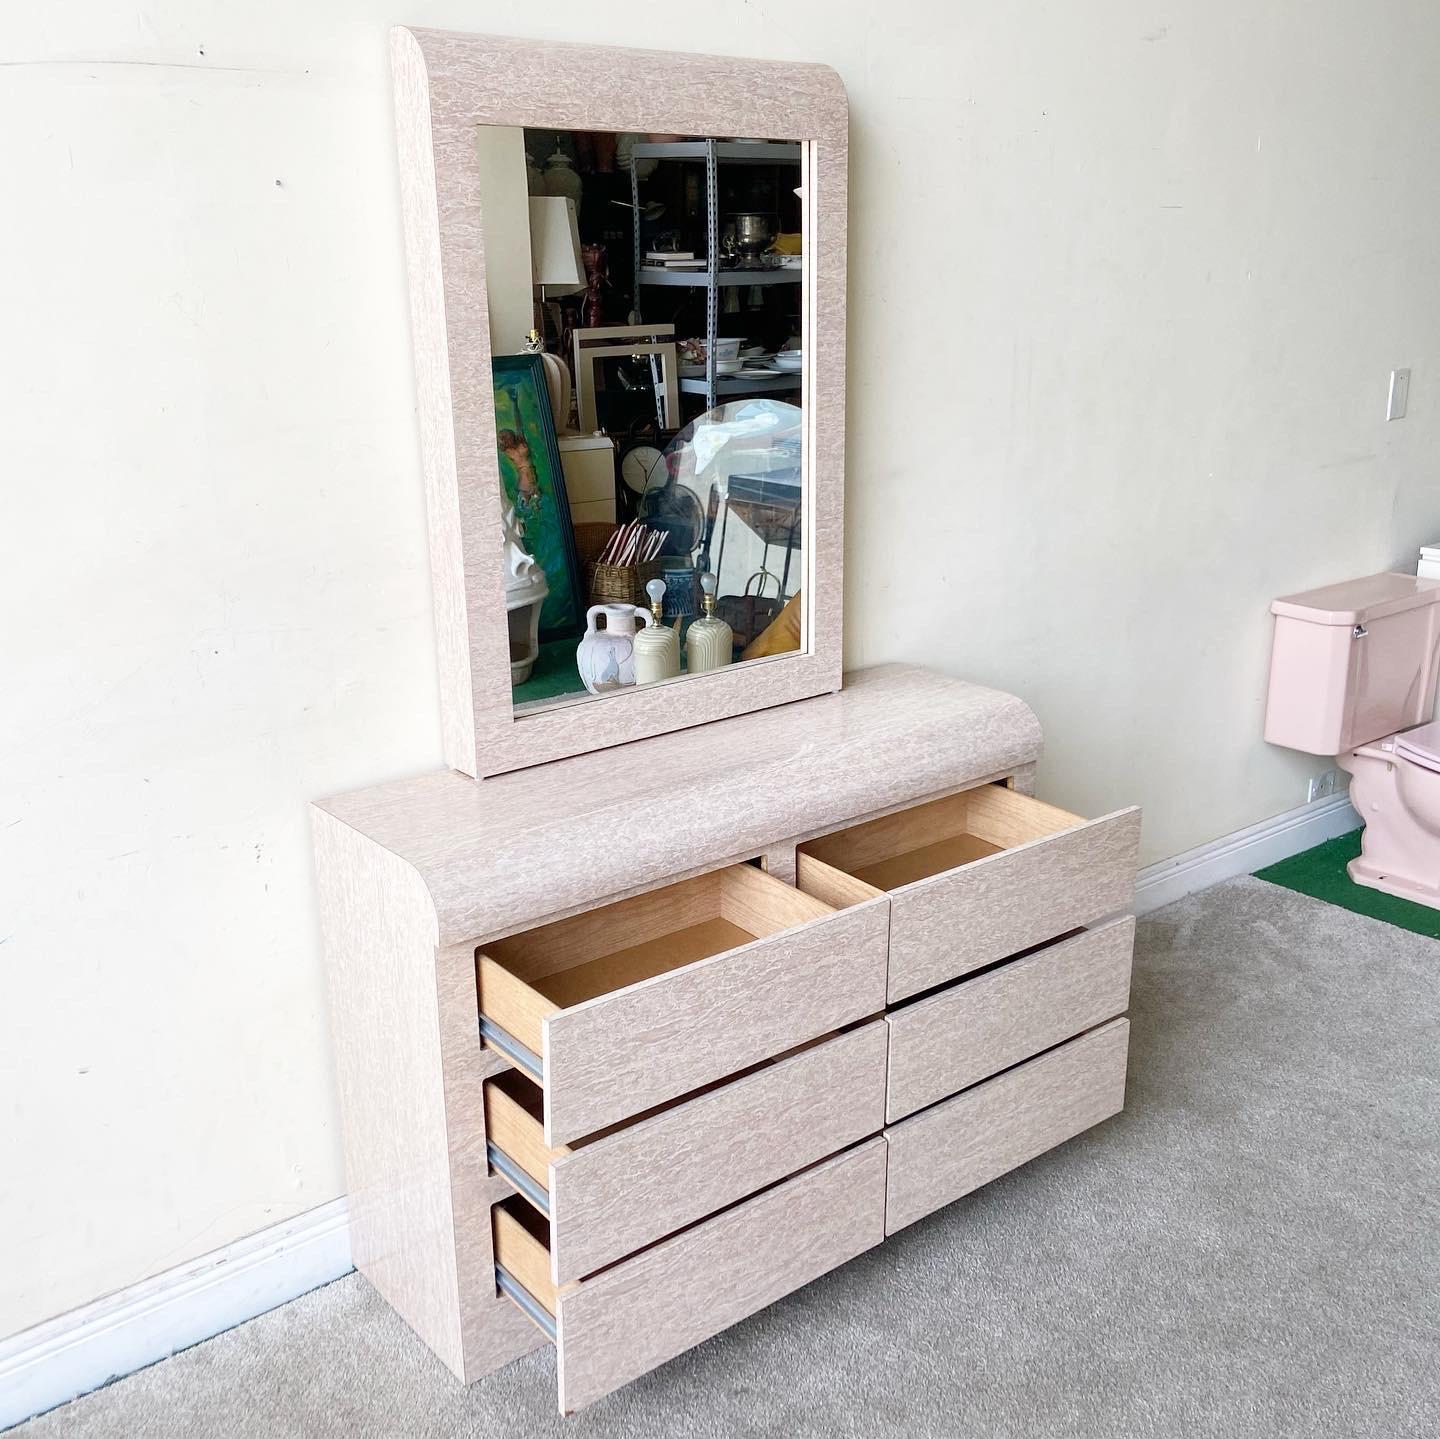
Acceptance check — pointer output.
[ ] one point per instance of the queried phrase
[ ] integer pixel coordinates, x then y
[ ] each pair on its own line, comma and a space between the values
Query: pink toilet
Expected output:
1352, 674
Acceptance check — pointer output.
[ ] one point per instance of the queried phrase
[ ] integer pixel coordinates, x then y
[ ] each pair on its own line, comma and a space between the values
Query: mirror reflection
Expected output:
646, 302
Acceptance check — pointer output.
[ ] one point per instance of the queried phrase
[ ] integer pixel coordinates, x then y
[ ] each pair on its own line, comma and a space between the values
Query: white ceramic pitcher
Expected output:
606, 657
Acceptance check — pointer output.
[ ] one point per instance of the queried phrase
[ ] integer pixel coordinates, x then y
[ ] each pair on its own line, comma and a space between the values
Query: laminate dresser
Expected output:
632, 1044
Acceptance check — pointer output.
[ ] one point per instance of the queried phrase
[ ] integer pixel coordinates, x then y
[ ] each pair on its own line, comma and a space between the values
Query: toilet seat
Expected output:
1421, 746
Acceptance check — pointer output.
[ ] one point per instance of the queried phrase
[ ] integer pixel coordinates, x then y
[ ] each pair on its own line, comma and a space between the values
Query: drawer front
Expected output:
980, 1026
618, 1055
616, 1326
967, 1141
630, 1188
947, 925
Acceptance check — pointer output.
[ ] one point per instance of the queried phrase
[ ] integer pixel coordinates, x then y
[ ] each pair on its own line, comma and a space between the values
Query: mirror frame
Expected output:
446, 85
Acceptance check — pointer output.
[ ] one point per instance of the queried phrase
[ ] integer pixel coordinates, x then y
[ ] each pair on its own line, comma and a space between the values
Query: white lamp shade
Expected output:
555, 244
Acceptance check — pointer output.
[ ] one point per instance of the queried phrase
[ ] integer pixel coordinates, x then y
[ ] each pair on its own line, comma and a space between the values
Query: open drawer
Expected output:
616, 1193
975, 877
621, 1009
628, 1319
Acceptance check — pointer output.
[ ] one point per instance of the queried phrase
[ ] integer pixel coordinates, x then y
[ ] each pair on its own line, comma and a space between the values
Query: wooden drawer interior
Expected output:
515, 1136
522, 1260
898, 849
528, 977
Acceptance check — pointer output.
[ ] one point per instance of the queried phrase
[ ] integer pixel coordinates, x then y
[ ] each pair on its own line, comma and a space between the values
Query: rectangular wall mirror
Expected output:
627, 285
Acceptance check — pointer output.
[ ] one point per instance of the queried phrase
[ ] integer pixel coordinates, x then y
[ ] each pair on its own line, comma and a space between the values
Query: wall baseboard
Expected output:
65, 1357
1244, 851
80, 1351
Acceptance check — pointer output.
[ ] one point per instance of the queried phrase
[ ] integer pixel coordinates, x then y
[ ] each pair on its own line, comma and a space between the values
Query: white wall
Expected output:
505, 228
1126, 283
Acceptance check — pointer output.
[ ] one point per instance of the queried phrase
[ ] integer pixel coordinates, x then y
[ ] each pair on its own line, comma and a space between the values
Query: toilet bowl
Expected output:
1352, 674
1395, 789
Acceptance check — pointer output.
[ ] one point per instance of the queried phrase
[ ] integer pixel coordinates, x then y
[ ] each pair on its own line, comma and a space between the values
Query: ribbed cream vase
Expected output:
708, 645
657, 654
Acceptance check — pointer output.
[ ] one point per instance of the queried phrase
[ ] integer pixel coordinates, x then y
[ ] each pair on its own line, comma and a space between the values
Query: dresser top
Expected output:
505, 853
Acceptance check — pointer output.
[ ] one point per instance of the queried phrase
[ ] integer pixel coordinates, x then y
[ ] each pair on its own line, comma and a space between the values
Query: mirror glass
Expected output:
646, 298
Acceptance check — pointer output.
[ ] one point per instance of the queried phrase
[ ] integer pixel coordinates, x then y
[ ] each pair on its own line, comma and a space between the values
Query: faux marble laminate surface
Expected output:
501, 854
648, 1309
622, 1053
419, 1226
628, 1189
960, 920
978, 1027
455, 531
944, 1152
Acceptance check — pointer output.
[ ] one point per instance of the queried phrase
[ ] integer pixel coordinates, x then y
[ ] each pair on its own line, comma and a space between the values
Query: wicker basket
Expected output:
591, 537
622, 584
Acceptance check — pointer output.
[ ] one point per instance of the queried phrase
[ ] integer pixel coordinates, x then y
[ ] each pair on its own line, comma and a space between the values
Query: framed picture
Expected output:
534, 482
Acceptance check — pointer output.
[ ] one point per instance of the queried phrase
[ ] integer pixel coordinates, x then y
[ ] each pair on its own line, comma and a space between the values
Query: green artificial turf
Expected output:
1320, 873
554, 674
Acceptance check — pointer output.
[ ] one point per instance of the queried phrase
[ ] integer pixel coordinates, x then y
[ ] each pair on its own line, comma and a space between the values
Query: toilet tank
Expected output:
1353, 663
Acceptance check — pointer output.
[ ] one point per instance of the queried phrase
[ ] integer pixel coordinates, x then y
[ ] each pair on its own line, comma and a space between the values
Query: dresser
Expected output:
631, 1044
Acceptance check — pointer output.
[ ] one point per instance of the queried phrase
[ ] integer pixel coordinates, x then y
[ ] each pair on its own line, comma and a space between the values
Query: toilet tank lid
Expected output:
1354, 602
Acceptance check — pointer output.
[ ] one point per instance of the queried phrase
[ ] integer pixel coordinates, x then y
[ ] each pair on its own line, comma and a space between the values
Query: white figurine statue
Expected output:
525, 591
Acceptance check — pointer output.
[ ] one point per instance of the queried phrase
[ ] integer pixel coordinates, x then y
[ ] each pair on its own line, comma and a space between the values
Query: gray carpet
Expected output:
1251, 1249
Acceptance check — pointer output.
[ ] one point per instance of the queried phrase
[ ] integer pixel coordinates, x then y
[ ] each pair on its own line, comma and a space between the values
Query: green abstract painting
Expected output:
534, 482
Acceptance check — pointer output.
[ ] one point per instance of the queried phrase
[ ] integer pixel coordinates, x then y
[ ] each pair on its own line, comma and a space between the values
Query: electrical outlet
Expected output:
1322, 786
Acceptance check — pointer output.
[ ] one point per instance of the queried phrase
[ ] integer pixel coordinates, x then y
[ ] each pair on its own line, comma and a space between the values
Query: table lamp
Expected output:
555, 264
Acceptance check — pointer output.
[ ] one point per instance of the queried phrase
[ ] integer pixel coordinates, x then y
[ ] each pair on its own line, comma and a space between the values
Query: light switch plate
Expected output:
1399, 394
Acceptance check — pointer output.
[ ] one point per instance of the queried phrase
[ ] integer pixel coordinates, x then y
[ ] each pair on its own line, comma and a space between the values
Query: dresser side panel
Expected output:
378, 935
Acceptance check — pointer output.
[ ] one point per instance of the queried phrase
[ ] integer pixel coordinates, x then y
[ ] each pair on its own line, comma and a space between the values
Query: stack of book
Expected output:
674, 260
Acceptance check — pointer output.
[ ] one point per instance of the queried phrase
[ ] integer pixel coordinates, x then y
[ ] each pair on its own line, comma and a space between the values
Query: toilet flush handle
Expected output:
1359, 632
